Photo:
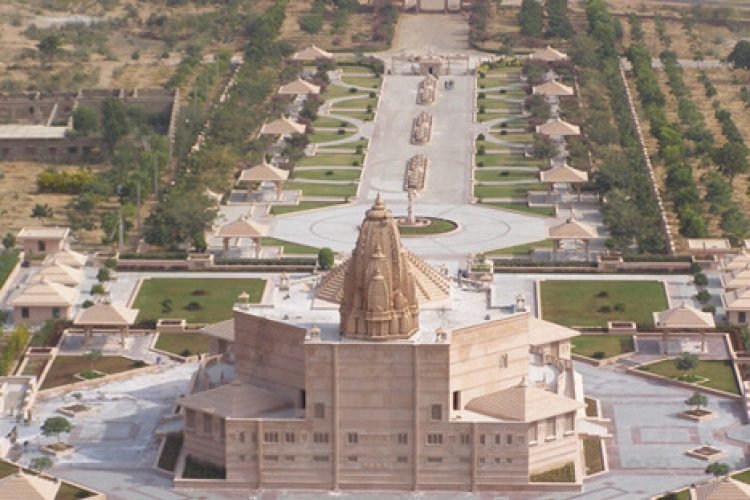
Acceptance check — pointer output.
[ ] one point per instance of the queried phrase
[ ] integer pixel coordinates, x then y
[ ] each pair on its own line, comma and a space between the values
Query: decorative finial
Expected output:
379, 204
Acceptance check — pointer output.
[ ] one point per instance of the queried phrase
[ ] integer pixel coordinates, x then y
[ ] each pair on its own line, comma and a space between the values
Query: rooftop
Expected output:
106, 315
522, 404
27, 487
237, 400
29, 233
32, 132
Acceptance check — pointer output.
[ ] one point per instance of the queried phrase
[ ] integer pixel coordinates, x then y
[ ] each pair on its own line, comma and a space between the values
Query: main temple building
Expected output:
385, 375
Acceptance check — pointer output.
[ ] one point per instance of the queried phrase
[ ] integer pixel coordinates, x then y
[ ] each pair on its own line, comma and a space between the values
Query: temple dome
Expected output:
379, 300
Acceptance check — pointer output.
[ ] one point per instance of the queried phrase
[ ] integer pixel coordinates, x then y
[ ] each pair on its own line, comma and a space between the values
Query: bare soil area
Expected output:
355, 35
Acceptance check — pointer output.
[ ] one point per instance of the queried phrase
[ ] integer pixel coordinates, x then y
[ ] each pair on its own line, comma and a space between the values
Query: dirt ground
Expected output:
356, 34
18, 195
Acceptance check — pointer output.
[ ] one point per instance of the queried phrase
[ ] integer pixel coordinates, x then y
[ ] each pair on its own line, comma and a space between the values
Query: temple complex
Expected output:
387, 375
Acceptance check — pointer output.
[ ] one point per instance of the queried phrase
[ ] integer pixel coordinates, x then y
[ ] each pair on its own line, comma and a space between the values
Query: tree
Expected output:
114, 121
42, 211
41, 463
697, 400
687, 362
718, 469
740, 55
103, 274
54, 426
85, 120
48, 47
583, 51
9, 241
559, 24
531, 18
731, 159
311, 23
538, 107
325, 258
92, 357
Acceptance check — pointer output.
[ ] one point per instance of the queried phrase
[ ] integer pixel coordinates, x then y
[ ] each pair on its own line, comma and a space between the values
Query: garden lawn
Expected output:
64, 368
564, 474
580, 303
290, 247
355, 68
592, 454
719, 373
213, 296
743, 477
609, 345
359, 102
332, 160
328, 175
507, 191
438, 226
515, 137
489, 115
8, 261
504, 160
303, 205
66, 492
523, 207
504, 175
522, 250
332, 190
328, 136
362, 81
334, 91
187, 343
325, 121
171, 451
359, 115
499, 105
488, 83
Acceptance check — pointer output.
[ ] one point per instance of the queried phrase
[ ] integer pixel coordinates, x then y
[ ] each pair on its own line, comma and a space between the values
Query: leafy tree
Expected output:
559, 24
740, 55
700, 279
731, 159
54, 426
9, 241
85, 120
92, 357
114, 121
583, 51
48, 47
538, 107
325, 258
42, 211
697, 400
311, 23
686, 362
531, 18
103, 274
718, 469
41, 463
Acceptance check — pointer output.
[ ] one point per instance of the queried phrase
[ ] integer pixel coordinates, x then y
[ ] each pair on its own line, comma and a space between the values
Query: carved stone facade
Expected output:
380, 298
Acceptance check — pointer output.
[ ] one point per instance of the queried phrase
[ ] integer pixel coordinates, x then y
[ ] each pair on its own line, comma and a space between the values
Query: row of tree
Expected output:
531, 19
630, 209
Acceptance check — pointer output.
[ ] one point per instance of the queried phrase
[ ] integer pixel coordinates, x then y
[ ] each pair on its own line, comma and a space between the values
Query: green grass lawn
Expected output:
171, 451
328, 136
355, 68
564, 474
610, 345
485, 117
64, 368
515, 137
438, 226
743, 477
362, 81
359, 115
592, 454
719, 373
334, 91
496, 105
522, 207
508, 191
183, 344
290, 248
503, 175
522, 250
593, 303
490, 82
326, 121
360, 102
8, 261
302, 206
517, 123
328, 175
332, 160
504, 160
332, 190
66, 492
198, 300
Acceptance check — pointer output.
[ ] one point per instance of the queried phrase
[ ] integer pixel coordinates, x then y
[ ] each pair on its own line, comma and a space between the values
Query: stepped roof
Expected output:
564, 174
553, 88
311, 53
683, 317
299, 86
